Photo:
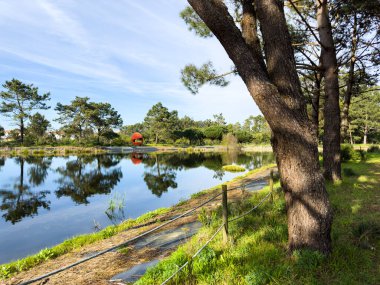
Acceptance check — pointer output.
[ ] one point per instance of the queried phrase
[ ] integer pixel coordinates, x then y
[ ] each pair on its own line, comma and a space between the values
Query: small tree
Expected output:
37, 127
365, 116
75, 117
19, 100
103, 119
160, 123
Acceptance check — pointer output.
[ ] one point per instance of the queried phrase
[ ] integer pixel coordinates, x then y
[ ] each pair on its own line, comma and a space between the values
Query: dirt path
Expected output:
101, 269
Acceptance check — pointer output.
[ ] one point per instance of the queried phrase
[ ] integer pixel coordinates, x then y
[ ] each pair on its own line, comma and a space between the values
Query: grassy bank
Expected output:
50, 151
8, 270
257, 252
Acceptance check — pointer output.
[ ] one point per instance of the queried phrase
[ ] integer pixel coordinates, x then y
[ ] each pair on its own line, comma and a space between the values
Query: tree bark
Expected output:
315, 104
350, 82
365, 129
331, 111
22, 130
276, 90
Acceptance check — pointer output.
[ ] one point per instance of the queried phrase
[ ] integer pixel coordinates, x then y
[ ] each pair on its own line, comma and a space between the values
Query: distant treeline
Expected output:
95, 123
89, 123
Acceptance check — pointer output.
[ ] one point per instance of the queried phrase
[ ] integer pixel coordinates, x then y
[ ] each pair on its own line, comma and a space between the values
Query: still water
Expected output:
45, 200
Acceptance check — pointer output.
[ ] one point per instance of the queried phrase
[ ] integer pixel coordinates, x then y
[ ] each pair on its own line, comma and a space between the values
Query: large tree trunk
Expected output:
331, 111
277, 93
350, 82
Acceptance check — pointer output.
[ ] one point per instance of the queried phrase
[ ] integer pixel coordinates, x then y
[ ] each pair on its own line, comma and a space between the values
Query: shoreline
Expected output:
80, 243
75, 150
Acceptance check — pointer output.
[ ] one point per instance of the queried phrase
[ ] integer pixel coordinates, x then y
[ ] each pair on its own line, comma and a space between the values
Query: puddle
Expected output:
133, 274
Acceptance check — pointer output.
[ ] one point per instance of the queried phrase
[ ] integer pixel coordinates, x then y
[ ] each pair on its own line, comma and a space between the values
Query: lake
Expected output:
45, 200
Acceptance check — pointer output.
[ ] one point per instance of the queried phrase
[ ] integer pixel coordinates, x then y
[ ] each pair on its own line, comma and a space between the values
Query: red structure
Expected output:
137, 158
137, 139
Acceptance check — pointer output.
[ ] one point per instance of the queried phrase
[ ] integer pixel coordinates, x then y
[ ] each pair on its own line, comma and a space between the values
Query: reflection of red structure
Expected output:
137, 139
137, 158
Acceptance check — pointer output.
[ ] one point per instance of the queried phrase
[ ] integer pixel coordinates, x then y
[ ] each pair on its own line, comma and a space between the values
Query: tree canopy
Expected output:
19, 100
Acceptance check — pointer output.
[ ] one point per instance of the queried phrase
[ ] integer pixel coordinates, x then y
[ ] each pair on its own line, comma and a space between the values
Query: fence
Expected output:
223, 226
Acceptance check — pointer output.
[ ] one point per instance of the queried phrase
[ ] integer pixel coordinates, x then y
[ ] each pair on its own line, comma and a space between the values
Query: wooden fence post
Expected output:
271, 185
225, 213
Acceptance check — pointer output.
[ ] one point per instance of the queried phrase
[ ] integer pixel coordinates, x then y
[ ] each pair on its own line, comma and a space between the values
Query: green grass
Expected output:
7, 270
233, 168
257, 252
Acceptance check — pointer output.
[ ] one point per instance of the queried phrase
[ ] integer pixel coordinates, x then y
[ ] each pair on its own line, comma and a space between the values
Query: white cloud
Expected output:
125, 52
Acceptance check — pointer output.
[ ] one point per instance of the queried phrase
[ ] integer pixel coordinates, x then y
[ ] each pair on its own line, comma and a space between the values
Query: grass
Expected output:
48, 151
7, 270
257, 252
233, 168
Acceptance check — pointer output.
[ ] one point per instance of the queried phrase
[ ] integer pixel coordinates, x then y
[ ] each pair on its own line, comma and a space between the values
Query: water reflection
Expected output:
160, 176
102, 188
86, 176
22, 201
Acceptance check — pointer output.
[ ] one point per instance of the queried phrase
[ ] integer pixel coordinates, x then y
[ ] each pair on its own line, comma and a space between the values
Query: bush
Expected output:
230, 140
182, 142
347, 153
373, 149
349, 172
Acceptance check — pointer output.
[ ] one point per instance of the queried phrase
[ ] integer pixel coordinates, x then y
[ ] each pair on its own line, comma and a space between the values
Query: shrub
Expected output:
347, 153
349, 172
373, 149
230, 141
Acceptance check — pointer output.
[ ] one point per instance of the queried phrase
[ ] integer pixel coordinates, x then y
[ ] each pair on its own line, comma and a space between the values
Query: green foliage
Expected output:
104, 118
19, 100
193, 77
347, 153
230, 141
195, 23
37, 128
75, 117
365, 116
233, 168
373, 149
160, 123
84, 120
257, 276
259, 129
214, 132
348, 172
243, 136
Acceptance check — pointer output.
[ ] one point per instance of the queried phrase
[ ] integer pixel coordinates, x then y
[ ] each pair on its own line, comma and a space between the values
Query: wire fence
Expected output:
212, 237
42, 277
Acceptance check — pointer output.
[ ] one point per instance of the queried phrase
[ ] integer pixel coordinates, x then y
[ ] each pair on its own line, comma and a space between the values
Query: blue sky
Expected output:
126, 52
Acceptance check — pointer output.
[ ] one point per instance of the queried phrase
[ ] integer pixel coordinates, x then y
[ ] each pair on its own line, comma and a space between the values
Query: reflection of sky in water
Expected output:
67, 218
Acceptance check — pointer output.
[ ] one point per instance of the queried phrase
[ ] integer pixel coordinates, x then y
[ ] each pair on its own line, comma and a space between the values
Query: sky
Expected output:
128, 53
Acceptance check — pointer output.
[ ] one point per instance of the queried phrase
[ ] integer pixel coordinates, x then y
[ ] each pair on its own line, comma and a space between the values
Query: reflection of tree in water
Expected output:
39, 170
23, 202
213, 161
2, 162
255, 160
160, 178
80, 183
